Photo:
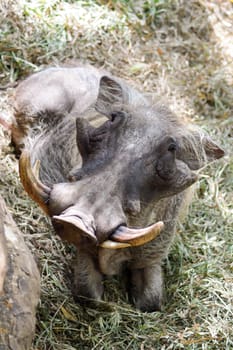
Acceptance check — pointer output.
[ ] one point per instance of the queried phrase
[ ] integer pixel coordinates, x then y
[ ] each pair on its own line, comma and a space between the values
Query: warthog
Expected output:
111, 169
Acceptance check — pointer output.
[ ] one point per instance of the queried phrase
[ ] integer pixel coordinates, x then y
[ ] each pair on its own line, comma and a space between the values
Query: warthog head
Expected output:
137, 157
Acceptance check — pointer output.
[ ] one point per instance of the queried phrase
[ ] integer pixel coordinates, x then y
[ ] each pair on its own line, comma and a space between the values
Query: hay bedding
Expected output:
185, 57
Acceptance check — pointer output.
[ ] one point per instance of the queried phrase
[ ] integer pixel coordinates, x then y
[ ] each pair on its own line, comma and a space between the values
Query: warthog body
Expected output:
130, 171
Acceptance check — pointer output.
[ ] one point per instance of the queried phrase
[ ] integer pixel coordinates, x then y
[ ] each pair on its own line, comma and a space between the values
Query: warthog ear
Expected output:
110, 97
197, 150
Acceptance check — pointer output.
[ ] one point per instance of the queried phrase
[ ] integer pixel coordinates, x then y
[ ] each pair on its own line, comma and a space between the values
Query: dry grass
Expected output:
181, 51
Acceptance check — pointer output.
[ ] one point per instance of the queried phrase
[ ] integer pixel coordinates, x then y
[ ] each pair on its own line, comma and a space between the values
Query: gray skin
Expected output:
133, 169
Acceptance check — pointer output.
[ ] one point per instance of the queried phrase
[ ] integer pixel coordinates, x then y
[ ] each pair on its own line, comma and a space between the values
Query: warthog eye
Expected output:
166, 164
113, 116
172, 147
120, 115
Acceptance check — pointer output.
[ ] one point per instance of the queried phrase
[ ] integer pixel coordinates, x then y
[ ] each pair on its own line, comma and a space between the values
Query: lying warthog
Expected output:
114, 190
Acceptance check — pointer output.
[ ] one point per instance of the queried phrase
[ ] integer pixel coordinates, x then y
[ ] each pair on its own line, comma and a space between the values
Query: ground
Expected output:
182, 51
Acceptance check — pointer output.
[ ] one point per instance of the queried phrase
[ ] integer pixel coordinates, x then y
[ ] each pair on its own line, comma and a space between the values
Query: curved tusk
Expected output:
137, 237
114, 245
36, 169
33, 186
